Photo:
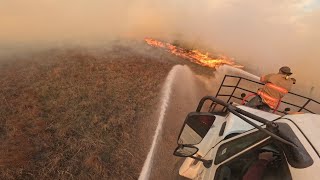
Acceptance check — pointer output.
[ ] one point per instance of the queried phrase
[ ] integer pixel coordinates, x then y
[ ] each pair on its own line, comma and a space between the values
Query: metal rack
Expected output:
236, 87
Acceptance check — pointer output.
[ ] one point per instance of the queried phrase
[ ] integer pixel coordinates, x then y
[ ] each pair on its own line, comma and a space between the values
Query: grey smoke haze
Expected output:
262, 35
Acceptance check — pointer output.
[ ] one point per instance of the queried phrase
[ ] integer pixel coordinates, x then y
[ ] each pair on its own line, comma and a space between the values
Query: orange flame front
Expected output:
193, 55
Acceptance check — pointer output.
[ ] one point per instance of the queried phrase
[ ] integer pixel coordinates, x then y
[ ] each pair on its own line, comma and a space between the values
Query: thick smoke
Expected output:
262, 35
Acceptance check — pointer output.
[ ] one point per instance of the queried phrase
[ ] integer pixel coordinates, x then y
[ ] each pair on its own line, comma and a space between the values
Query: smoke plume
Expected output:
262, 35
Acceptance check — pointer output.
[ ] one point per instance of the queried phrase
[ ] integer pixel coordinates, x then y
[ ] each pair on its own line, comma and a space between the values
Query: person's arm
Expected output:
265, 78
255, 172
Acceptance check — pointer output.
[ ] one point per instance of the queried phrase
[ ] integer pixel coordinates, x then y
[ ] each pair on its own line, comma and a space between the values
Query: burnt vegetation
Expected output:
78, 114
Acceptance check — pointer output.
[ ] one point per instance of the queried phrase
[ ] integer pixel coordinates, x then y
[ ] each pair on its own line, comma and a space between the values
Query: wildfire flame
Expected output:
193, 55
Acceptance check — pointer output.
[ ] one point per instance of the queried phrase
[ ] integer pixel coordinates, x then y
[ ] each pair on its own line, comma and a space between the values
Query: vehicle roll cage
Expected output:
236, 87
271, 127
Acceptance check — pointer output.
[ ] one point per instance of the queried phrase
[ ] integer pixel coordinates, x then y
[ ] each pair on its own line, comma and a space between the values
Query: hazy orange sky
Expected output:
262, 35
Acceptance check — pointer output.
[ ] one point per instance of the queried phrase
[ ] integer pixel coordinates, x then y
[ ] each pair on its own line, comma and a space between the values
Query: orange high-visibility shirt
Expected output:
275, 88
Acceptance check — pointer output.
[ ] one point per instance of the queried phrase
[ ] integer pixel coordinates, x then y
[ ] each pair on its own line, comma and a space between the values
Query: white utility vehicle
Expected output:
224, 142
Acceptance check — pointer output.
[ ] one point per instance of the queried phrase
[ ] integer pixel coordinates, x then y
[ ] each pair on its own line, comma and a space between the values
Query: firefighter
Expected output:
276, 86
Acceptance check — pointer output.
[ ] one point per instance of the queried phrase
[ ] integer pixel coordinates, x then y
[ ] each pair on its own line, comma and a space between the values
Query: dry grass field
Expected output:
78, 114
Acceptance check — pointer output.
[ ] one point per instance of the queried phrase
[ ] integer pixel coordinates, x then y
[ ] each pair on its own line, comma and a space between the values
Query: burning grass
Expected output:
76, 115
194, 55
